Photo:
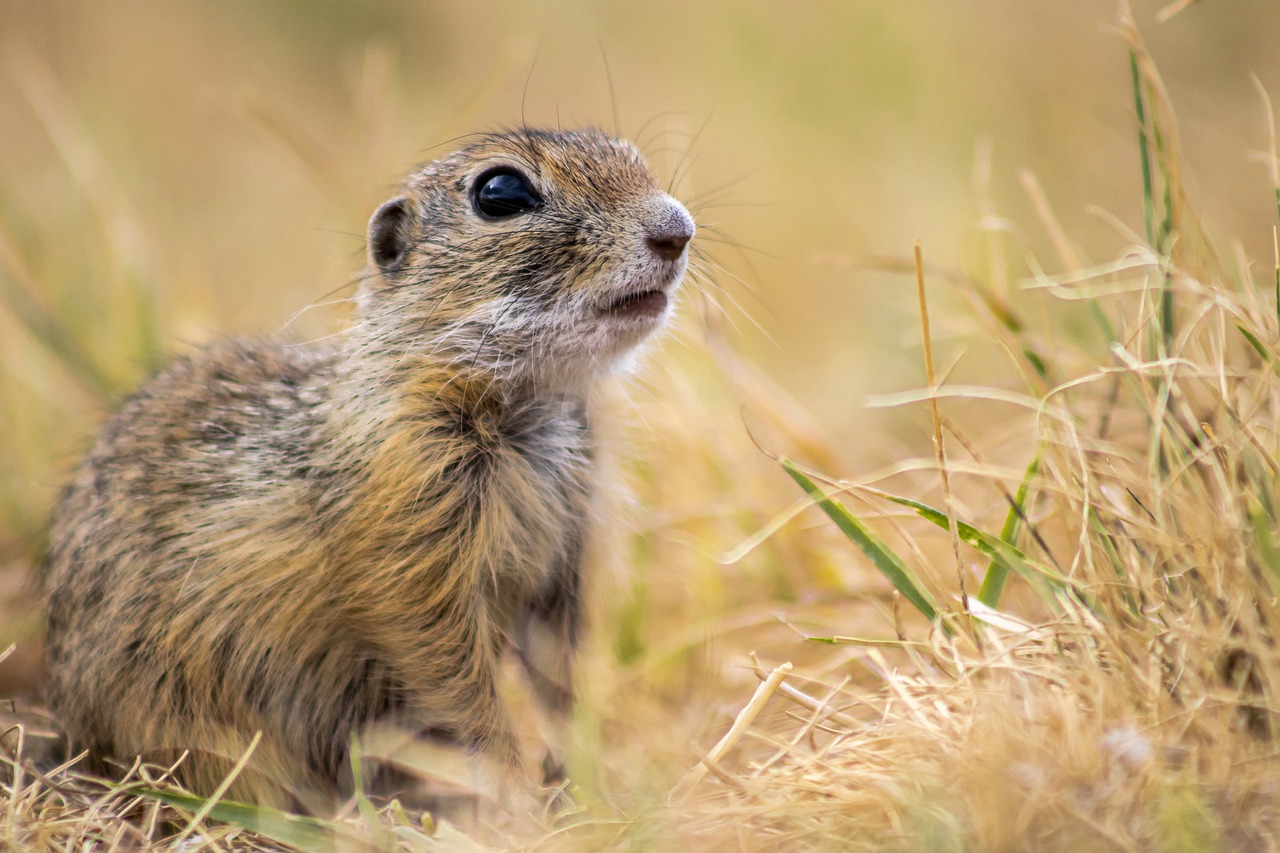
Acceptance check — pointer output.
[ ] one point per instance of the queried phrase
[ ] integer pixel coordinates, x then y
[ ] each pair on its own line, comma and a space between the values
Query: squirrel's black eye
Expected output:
504, 193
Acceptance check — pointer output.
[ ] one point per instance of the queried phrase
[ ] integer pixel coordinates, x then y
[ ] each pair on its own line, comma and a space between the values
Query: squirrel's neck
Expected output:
373, 397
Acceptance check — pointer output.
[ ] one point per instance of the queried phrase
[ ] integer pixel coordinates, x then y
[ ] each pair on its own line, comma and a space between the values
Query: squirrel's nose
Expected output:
671, 231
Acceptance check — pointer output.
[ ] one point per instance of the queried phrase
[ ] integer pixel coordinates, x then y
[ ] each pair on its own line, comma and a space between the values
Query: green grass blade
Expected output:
1046, 581
305, 833
1164, 237
1156, 237
889, 564
1254, 342
998, 571
1144, 153
1036, 362
1268, 553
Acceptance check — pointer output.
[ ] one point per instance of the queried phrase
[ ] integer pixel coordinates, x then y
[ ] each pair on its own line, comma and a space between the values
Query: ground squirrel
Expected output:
305, 540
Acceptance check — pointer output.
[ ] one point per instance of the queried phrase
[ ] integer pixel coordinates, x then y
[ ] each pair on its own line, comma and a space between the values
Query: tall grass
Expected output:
1128, 703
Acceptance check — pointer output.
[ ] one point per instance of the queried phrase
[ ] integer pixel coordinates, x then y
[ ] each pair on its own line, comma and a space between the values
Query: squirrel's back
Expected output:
209, 458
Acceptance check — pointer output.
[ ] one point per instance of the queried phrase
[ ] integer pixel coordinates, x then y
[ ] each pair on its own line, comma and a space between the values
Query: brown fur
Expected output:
308, 541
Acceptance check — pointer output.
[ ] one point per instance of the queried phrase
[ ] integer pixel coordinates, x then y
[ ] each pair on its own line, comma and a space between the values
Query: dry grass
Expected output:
1130, 706
1135, 709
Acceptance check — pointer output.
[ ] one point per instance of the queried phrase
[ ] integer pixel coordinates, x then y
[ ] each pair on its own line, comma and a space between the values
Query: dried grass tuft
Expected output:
1134, 707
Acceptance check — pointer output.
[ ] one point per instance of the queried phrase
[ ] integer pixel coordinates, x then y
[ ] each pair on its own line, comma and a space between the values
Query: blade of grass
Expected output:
1273, 167
1155, 237
740, 726
1164, 236
1256, 342
939, 448
881, 555
1163, 233
368, 812
997, 572
1003, 554
222, 789
1144, 153
305, 833
1265, 542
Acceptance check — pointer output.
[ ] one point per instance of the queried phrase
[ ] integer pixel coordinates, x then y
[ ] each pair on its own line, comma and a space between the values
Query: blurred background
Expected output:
174, 172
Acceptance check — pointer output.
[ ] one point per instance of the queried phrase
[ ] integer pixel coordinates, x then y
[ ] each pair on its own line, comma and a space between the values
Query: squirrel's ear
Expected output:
389, 238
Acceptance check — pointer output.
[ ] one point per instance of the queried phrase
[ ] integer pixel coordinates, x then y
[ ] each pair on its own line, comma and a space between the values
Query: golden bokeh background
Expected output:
228, 156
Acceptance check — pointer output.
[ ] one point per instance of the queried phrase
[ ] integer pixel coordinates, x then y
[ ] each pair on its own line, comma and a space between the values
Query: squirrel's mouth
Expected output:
646, 304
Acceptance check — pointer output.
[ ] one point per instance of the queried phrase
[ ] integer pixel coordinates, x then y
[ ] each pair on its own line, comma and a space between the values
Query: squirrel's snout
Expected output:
671, 231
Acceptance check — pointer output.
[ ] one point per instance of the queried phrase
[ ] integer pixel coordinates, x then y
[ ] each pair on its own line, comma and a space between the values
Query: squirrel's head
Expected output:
534, 255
